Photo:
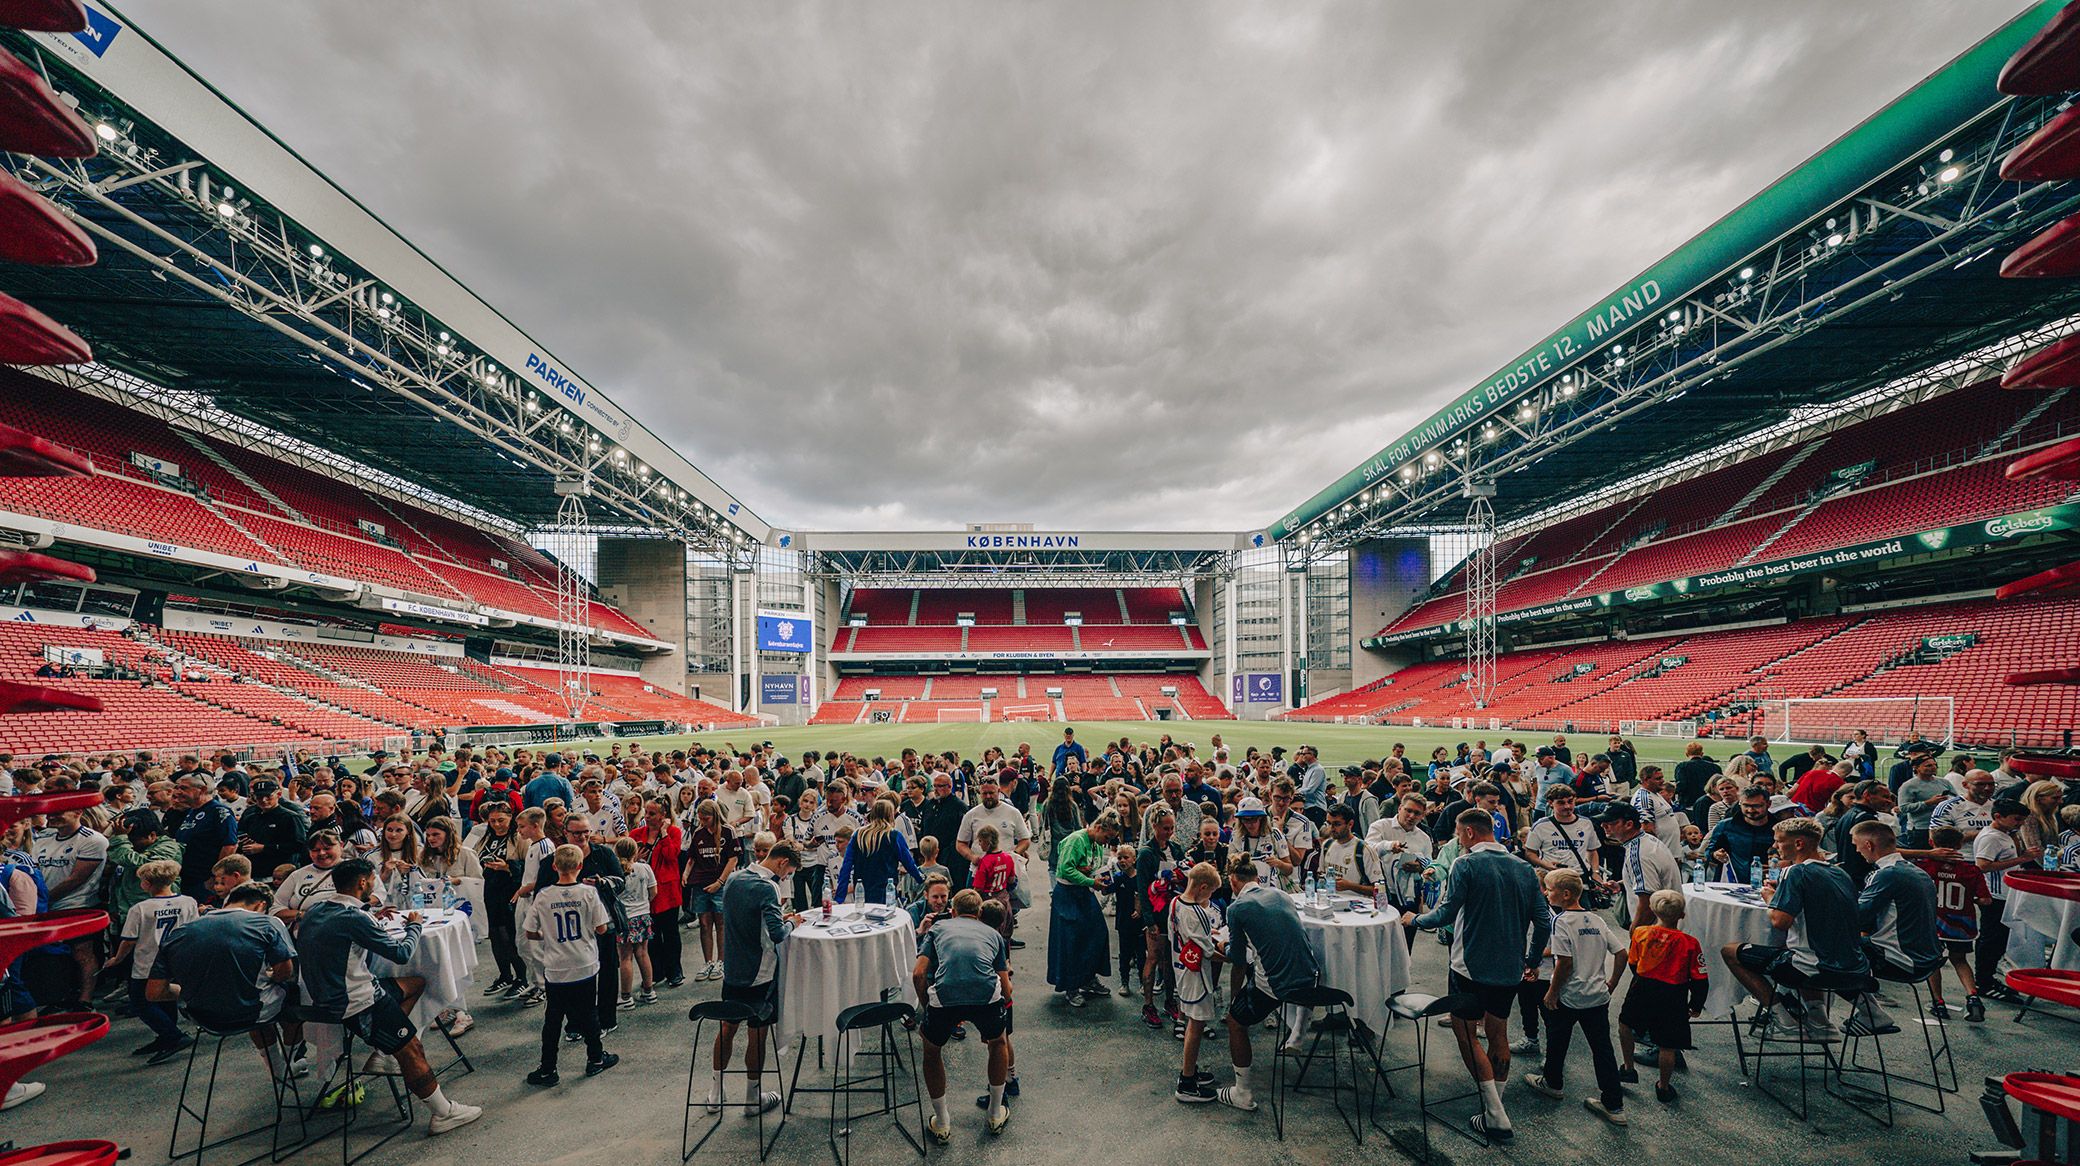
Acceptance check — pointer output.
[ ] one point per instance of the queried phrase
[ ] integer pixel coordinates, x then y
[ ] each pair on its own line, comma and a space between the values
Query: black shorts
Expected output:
383, 1024
1659, 1010
1251, 1006
1957, 948
1477, 1000
764, 1000
1771, 963
991, 1020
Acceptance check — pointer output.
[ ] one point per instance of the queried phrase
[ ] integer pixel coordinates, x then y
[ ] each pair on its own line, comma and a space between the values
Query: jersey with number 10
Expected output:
567, 918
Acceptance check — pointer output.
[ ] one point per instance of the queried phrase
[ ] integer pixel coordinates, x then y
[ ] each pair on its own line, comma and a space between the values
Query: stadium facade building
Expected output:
338, 499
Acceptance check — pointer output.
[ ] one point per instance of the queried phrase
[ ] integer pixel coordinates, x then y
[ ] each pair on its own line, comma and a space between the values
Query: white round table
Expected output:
445, 957
1718, 915
827, 968
1364, 954
2039, 921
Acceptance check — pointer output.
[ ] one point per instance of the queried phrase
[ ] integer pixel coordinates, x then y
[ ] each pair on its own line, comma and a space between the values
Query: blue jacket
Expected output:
875, 869
1897, 911
1499, 919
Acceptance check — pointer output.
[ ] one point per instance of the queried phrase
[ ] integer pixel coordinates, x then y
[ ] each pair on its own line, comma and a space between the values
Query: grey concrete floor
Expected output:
1096, 1090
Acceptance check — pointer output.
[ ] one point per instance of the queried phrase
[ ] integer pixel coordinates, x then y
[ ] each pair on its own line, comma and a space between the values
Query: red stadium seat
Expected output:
2049, 62
27, 1044
2052, 154
34, 121
30, 567
44, 15
33, 230
2053, 253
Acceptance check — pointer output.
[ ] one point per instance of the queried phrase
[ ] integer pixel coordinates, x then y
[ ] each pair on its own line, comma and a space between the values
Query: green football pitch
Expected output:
1339, 744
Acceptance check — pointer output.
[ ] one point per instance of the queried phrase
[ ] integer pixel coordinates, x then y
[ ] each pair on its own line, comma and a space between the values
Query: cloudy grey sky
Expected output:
1091, 265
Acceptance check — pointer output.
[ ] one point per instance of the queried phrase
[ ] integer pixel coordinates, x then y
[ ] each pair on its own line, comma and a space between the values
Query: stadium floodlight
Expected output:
445, 338
1747, 273
534, 405
440, 349
564, 426
388, 298
106, 132
1946, 155
317, 252
1949, 174
226, 209
1835, 240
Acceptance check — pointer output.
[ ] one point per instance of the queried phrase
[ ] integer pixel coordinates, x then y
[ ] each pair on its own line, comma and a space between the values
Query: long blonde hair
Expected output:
870, 838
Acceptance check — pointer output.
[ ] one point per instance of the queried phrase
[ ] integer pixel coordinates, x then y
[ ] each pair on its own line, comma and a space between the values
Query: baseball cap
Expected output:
1621, 812
553, 760
1250, 808
1546, 751
262, 788
1780, 803
1352, 770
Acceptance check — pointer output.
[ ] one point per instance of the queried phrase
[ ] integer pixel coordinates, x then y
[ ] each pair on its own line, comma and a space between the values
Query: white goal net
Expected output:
1027, 712
969, 716
1681, 729
1890, 720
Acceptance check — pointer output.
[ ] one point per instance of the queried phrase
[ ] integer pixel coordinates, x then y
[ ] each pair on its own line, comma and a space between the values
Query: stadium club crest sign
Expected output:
2007, 527
785, 631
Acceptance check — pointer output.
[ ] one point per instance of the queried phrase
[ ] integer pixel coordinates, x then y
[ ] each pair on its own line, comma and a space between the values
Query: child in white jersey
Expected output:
566, 920
147, 925
638, 883
532, 825
1195, 959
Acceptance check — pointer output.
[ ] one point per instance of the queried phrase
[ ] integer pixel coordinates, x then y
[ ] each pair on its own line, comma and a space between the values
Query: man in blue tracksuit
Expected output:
1499, 923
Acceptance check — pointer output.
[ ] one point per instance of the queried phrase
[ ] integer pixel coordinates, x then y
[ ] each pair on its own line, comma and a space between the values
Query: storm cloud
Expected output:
1091, 265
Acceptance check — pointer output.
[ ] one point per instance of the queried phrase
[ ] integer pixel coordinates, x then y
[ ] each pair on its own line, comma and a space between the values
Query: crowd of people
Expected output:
252, 894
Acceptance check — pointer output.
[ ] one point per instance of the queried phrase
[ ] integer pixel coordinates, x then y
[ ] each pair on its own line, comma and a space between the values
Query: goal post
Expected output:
960, 716
1890, 720
1026, 712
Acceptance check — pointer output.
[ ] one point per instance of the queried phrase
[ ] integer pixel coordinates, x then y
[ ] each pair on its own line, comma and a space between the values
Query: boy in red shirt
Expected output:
996, 872
1668, 989
1960, 892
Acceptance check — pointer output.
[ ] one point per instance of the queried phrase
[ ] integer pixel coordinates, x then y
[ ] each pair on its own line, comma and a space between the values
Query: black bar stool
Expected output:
1421, 1010
741, 1015
1337, 1028
1799, 1048
353, 1096
1939, 1057
854, 1023
283, 1085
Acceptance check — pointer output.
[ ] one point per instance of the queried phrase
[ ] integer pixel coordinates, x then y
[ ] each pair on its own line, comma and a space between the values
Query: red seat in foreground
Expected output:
26, 1044
19, 933
2051, 984
15, 807
62, 1154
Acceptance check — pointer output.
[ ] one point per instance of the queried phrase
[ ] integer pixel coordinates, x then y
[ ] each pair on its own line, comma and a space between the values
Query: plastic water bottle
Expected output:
1755, 872
826, 906
2050, 859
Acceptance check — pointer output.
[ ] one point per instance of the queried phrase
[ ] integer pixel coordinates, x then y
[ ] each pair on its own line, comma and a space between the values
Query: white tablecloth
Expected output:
1364, 955
1717, 918
822, 972
2035, 921
445, 957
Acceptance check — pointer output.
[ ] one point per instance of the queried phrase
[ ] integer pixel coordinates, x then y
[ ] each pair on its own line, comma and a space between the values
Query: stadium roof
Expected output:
1015, 555
1859, 268
231, 267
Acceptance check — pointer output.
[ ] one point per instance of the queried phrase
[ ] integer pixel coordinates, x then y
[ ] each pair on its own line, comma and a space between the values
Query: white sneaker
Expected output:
21, 1092
767, 1103
624, 1001
1235, 1097
458, 1115
714, 1103
462, 1023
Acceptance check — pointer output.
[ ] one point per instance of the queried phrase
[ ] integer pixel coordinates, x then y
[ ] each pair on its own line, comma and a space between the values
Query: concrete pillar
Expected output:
739, 619
1227, 648
1387, 577
1296, 678
646, 578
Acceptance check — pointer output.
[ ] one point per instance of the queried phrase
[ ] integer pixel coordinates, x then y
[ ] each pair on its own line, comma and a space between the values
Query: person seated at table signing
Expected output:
1814, 904
1500, 922
1897, 910
1268, 949
753, 927
338, 934
234, 968
1343, 860
963, 976
1740, 841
